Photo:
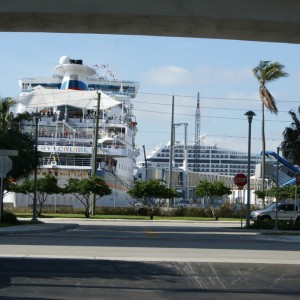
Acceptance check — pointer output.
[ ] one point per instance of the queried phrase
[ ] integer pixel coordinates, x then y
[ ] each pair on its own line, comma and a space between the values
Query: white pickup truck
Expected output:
286, 211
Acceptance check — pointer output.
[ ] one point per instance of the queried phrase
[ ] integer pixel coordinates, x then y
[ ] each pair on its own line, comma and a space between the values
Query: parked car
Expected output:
182, 203
286, 211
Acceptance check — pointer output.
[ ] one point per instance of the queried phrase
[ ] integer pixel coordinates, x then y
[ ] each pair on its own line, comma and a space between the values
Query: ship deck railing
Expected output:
75, 134
56, 160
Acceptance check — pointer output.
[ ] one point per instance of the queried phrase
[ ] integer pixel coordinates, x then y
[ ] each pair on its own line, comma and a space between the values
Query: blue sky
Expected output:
221, 70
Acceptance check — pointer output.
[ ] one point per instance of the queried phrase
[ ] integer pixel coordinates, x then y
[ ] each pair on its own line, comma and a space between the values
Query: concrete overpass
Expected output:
256, 20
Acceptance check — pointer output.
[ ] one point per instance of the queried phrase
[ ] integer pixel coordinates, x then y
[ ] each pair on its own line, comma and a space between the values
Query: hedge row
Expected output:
270, 224
225, 211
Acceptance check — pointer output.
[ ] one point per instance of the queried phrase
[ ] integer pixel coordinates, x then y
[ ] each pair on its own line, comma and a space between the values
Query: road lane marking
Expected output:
150, 231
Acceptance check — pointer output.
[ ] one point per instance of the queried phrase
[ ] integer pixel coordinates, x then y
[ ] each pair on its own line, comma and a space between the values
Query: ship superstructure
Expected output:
109, 85
66, 104
209, 159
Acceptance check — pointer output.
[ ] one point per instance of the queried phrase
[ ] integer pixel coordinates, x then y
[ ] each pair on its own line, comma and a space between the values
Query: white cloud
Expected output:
204, 76
169, 76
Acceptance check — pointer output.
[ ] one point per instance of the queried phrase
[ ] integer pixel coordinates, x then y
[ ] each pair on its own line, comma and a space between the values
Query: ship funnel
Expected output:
74, 73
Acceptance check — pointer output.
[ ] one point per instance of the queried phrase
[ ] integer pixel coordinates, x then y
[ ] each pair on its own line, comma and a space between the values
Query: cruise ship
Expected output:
204, 159
66, 104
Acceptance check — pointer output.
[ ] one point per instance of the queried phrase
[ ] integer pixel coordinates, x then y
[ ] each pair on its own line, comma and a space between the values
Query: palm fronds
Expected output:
267, 99
265, 72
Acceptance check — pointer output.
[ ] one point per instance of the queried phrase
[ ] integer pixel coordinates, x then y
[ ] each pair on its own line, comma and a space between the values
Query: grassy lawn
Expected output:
4, 225
124, 217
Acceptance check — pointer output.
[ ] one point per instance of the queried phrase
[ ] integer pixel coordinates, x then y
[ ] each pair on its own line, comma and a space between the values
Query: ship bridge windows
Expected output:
44, 85
112, 88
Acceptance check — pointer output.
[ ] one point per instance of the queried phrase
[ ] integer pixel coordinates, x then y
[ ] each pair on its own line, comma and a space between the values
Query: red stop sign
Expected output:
240, 179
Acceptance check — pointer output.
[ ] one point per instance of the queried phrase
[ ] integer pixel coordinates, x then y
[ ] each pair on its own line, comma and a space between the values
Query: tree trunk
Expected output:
39, 209
151, 214
87, 213
263, 141
213, 212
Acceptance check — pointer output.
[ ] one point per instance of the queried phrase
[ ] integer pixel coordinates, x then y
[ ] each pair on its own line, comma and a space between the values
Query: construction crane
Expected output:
196, 165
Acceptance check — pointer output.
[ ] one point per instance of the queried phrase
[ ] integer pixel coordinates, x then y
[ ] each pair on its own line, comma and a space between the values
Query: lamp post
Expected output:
34, 204
250, 114
277, 194
185, 162
146, 165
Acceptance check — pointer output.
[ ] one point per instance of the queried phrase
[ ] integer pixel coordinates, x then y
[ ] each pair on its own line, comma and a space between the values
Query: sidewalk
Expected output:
36, 228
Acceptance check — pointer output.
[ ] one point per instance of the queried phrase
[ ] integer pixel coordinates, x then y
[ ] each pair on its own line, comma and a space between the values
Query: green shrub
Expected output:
142, 211
192, 212
226, 210
262, 224
288, 225
270, 224
115, 211
179, 212
9, 218
297, 225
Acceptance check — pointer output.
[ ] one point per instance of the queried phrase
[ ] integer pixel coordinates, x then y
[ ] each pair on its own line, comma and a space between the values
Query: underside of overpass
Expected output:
255, 20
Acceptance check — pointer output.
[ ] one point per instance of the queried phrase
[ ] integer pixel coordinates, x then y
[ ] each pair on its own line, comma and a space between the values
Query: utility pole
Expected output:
34, 205
95, 150
171, 145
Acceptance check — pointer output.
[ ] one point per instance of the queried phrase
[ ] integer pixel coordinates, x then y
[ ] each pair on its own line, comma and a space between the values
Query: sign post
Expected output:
240, 180
295, 202
298, 179
5, 167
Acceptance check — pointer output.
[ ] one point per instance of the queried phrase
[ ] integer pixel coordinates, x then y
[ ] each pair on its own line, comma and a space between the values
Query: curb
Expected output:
28, 229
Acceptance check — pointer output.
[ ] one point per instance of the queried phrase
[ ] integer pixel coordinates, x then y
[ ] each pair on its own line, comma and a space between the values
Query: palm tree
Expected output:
291, 139
12, 137
267, 72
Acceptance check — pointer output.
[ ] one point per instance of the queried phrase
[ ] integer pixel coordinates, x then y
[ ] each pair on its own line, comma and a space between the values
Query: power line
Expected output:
212, 135
206, 107
214, 98
207, 116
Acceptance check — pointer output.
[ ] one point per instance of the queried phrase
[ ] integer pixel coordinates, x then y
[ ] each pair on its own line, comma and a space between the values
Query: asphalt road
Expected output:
152, 241
102, 279
148, 260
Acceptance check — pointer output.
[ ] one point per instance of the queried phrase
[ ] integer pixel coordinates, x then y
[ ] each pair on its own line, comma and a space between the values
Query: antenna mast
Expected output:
196, 167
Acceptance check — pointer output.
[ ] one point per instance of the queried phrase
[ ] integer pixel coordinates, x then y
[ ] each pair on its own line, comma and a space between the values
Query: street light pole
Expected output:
185, 161
34, 204
277, 182
249, 115
185, 166
146, 165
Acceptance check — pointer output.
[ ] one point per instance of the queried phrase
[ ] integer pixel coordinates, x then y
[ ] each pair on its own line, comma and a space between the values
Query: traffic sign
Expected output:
240, 180
5, 166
